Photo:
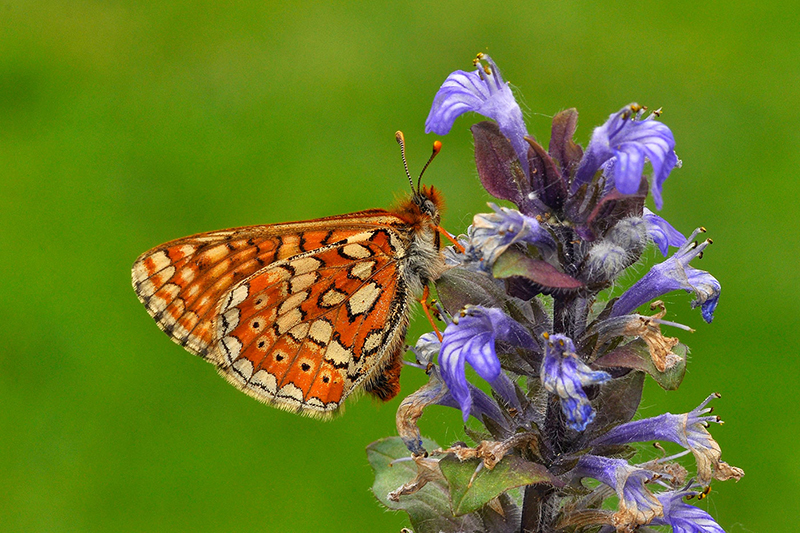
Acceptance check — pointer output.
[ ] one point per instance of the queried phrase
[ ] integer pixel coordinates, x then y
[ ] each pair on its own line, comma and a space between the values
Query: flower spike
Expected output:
527, 295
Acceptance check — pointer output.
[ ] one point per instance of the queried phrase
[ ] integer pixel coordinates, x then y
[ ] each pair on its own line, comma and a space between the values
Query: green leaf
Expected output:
617, 402
637, 356
458, 287
428, 508
511, 472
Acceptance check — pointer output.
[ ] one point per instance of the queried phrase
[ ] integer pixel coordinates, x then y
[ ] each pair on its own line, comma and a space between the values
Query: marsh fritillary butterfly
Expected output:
299, 315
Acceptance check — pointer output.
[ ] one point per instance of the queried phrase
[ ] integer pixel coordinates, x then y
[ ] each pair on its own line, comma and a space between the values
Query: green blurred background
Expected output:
125, 124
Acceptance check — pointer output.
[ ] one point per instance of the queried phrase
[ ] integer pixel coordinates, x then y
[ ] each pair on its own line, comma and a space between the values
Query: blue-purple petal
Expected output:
472, 339
564, 375
460, 93
706, 289
626, 480
481, 355
662, 233
683, 517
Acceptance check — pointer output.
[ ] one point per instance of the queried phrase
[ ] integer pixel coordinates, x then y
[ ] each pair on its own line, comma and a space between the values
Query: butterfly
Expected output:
300, 315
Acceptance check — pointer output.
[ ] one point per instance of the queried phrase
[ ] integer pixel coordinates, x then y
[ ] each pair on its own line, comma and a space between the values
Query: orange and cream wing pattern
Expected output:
297, 315
305, 332
181, 282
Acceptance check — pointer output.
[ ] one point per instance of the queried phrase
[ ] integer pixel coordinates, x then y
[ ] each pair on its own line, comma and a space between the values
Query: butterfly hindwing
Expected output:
305, 332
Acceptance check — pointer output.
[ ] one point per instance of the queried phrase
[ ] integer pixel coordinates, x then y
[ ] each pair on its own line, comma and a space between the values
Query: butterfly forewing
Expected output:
303, 333
181, 282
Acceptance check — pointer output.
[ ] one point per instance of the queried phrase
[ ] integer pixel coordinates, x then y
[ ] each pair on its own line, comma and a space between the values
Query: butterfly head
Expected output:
422, 209
429, 202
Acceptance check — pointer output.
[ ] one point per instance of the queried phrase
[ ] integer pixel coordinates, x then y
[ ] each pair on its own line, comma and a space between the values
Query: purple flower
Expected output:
482, 406
673, 274
428, 345
564, 375
629, 140
682, 517
484, 92
493, 233
472, 339
637, 505
688, 430
662, 232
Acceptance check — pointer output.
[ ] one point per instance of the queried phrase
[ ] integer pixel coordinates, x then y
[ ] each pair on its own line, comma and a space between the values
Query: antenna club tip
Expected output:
437, 146
399, 137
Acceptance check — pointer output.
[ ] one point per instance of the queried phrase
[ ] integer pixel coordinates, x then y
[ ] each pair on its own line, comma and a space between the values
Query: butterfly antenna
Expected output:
437, 147
401, 140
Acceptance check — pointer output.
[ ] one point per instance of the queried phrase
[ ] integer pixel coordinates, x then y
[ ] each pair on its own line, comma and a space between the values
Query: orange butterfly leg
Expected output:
424, 302
447, 236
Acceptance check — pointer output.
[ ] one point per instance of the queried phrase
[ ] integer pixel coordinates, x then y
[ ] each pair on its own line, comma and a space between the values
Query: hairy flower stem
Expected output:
538, 500
562, 316
555, 429
581, 310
